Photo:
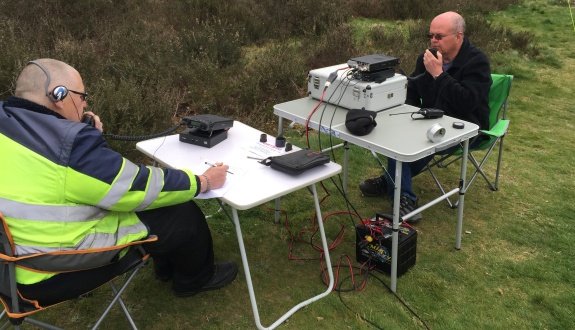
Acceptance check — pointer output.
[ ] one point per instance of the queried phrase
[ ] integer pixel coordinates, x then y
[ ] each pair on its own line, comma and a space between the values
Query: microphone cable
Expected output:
135, 138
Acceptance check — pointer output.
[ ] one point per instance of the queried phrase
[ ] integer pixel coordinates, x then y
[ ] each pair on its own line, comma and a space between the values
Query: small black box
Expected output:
373, 245
203, 138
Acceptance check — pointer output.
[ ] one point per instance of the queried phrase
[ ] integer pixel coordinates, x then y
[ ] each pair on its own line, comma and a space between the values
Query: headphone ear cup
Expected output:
58, 93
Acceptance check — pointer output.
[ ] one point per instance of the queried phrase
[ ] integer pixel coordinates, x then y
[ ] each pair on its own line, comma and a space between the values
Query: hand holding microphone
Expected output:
431, 55
93, 120
433, 62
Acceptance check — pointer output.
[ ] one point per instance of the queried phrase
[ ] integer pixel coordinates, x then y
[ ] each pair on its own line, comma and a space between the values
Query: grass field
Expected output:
516, 266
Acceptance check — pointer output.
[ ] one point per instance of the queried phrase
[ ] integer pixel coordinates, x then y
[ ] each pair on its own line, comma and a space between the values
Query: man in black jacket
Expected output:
456, 80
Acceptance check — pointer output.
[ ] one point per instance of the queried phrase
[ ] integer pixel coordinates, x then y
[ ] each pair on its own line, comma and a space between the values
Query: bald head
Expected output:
452, 19
37, 83
34, 84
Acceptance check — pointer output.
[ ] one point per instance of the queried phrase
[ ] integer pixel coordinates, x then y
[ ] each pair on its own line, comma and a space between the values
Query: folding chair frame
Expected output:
496, 134
14, 309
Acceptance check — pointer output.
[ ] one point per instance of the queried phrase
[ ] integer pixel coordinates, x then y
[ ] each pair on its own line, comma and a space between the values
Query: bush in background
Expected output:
147, 63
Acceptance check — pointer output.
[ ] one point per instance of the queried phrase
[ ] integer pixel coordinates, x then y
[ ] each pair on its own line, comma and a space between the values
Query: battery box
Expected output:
351, 92
373, 244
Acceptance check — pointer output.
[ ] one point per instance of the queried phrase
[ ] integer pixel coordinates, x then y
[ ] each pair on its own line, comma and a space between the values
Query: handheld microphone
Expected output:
426, 113
434, 52
89, 120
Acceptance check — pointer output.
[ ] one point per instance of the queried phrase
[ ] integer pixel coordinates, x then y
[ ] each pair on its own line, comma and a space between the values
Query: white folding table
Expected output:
250, 185
397, 136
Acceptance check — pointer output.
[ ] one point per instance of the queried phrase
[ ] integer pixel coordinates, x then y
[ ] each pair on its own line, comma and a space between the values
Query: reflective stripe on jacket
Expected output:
63, 188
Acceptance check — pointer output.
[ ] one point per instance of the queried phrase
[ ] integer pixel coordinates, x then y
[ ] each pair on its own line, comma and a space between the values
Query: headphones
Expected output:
59, 92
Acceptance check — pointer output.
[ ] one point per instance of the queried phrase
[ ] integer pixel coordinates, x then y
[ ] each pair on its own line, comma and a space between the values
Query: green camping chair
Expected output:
498, 125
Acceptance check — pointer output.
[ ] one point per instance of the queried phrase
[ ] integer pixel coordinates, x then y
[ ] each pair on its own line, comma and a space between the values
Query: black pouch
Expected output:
360, 122
296, 162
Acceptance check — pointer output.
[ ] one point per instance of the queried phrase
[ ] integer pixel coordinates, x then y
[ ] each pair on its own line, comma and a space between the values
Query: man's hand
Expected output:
433, 65
215, 176
97, 122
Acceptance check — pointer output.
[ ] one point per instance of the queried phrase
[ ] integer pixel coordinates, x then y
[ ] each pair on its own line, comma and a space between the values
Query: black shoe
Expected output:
374, 187
407, 205
224, 274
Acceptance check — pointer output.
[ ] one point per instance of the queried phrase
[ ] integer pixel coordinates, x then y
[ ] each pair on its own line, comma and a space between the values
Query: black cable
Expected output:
142, 137
339, 291
347, 85
226, 212
412, 78
336, 104
346, 82
370, 274
402, 302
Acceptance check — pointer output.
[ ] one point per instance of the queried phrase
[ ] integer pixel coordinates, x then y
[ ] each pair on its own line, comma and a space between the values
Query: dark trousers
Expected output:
184, 246
65, 286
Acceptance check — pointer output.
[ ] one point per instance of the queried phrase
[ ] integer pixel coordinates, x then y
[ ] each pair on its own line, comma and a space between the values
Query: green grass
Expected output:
515, 268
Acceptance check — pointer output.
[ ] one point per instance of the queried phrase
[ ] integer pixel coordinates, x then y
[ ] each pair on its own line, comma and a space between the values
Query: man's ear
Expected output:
460, 36
59, 105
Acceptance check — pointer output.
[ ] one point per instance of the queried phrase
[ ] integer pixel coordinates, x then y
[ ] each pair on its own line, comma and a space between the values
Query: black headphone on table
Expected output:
59, 92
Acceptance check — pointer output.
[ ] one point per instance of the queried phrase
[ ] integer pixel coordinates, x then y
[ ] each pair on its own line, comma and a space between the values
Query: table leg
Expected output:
240, 237
323, 243
395, 227
277, 201
280, 126
249, 278
277, 210
345, 165
462, 189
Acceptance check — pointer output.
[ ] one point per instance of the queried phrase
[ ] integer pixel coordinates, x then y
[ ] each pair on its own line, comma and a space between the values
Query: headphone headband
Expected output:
59, 92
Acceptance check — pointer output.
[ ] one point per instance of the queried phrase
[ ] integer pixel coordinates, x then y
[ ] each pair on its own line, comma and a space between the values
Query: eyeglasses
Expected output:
438, 36
83, 96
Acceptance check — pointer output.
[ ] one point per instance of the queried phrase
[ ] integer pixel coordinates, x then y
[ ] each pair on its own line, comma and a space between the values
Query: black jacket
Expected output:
462, 91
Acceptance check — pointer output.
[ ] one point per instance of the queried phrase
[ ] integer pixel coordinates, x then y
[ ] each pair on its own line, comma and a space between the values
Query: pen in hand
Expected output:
214, 165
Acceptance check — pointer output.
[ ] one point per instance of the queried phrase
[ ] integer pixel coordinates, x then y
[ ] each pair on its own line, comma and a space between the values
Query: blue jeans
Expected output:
408, 171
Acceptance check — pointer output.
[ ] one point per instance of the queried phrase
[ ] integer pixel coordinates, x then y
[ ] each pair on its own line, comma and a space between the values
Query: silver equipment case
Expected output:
352, 93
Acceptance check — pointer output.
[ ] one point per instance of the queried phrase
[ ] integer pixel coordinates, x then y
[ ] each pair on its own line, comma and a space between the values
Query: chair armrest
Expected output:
499, 129
68, 260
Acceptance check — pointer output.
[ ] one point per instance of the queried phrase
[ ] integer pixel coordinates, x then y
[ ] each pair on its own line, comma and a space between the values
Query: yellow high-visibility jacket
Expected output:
63, 188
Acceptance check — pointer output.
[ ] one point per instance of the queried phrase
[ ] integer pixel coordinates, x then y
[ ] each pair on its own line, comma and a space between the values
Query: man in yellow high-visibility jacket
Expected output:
64, 188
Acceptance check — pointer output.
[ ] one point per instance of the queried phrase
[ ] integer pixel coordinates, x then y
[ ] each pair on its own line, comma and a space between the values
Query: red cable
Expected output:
313, 228
315, 109
311, 114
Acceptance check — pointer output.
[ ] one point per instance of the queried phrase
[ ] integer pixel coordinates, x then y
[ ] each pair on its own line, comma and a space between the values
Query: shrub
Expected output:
416, 9
147, 63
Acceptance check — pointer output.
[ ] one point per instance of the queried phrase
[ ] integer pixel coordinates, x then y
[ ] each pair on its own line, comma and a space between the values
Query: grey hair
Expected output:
459, 24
